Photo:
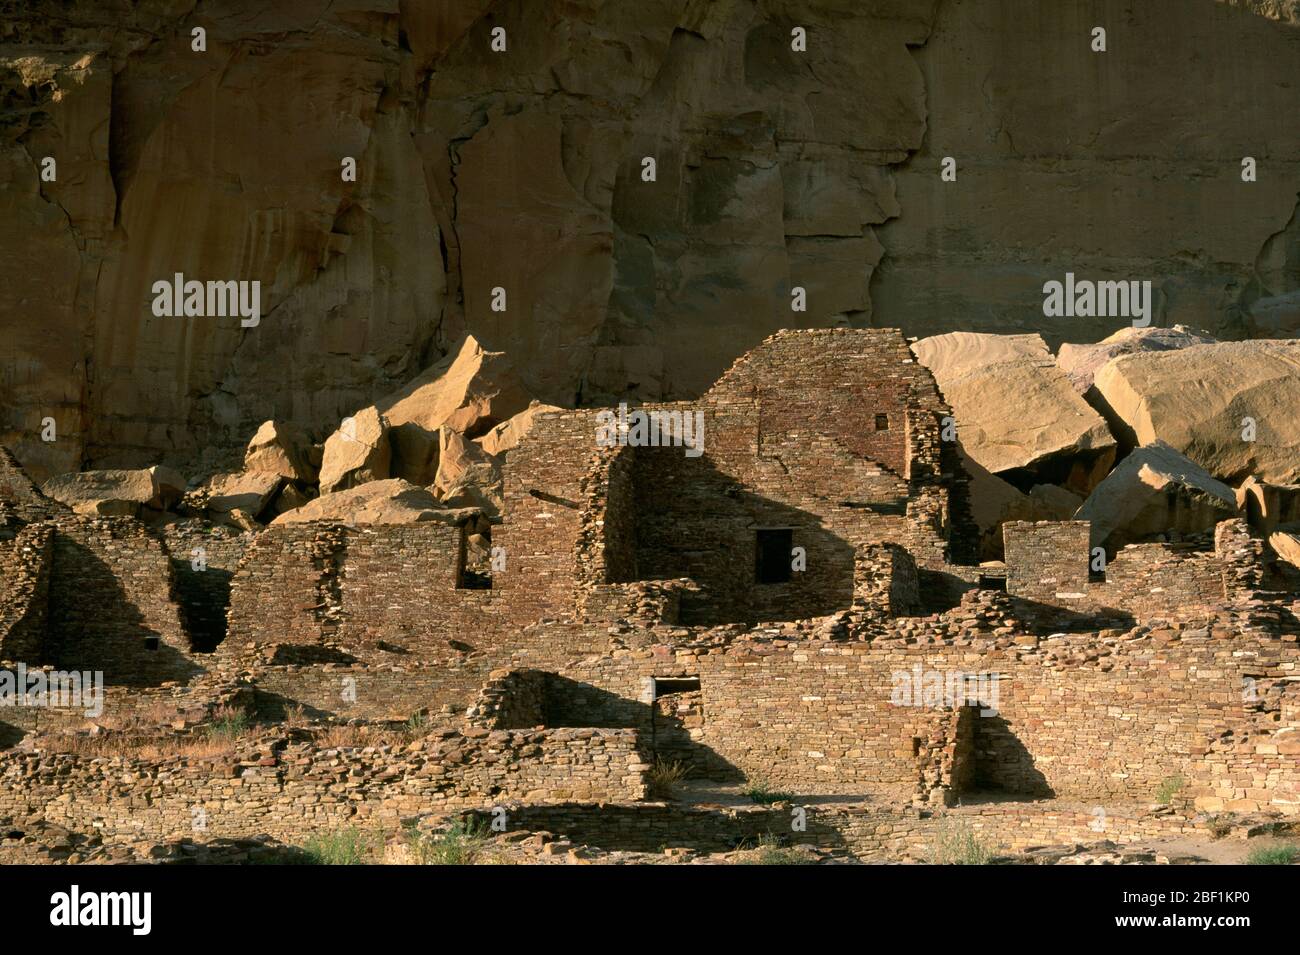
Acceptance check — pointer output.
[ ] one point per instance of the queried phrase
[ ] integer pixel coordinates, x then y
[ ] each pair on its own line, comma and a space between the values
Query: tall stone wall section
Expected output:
24, 593
112, 606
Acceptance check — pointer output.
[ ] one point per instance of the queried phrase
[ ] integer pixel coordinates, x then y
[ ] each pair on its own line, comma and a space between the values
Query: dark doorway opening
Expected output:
773, 556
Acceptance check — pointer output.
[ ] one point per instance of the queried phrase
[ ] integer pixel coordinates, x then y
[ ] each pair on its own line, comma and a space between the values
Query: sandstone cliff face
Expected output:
522, 170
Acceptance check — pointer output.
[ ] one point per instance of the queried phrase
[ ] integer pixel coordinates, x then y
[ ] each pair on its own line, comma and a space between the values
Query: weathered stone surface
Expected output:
359, 451
391, 501
1055, 176
1265, 505
281, 448
1082, 362
116, 493
1196, 400
461, 463
1015, 408
1153, 490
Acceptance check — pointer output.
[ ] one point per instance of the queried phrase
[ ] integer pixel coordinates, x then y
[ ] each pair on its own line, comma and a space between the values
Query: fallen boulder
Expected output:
1082, 362
115, 492
1155, 490
1287, 547
1018, 416
282, 449
470, 392
1232, 407
247, 491
357, 452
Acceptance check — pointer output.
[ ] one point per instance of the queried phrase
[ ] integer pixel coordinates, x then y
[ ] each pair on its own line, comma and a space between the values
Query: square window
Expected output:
882, 422
151, 643
773, 556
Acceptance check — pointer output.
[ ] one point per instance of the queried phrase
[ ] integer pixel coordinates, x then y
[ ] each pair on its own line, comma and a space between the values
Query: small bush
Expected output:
1281, 854
338, 847
760, 792
771, 852
957, 844
227, 724
460, 844
663, 776
1168, 789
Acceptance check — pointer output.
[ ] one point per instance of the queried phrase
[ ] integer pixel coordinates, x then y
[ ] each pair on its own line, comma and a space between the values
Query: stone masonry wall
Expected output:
291, 790
1046, 559
1111, 720
24, 592
111, 604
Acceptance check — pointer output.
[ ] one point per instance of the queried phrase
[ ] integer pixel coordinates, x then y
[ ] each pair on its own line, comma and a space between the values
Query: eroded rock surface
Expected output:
523, 171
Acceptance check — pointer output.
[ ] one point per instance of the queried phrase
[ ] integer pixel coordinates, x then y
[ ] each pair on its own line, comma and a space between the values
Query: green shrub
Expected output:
760, 792
1280, 854
663, 776
771, 852
460, 844
957, 844
228, 726
337, 847
1168, 789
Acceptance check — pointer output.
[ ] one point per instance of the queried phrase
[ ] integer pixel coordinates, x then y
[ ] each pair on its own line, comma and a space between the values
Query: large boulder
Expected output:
248, 491
390, 501
467, 475
281, 448
1017, 413
1153, 491
357, 452
117, 493
1198, 399
1082, 362
1286, 544
470, 392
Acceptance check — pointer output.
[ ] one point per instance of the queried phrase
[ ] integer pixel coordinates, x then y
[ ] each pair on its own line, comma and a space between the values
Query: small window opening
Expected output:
993, 582
772, 564
882, 422
151, 643
675, 684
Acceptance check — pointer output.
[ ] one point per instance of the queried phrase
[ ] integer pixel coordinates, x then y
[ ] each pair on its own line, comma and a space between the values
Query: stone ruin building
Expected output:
800, 604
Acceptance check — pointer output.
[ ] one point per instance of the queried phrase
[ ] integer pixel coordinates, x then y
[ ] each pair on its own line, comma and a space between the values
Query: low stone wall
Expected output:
291, 790
1114, 718
512, 699
369, 692
871, 833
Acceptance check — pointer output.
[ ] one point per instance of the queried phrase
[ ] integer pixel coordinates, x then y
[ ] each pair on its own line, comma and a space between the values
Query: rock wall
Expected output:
523, 170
